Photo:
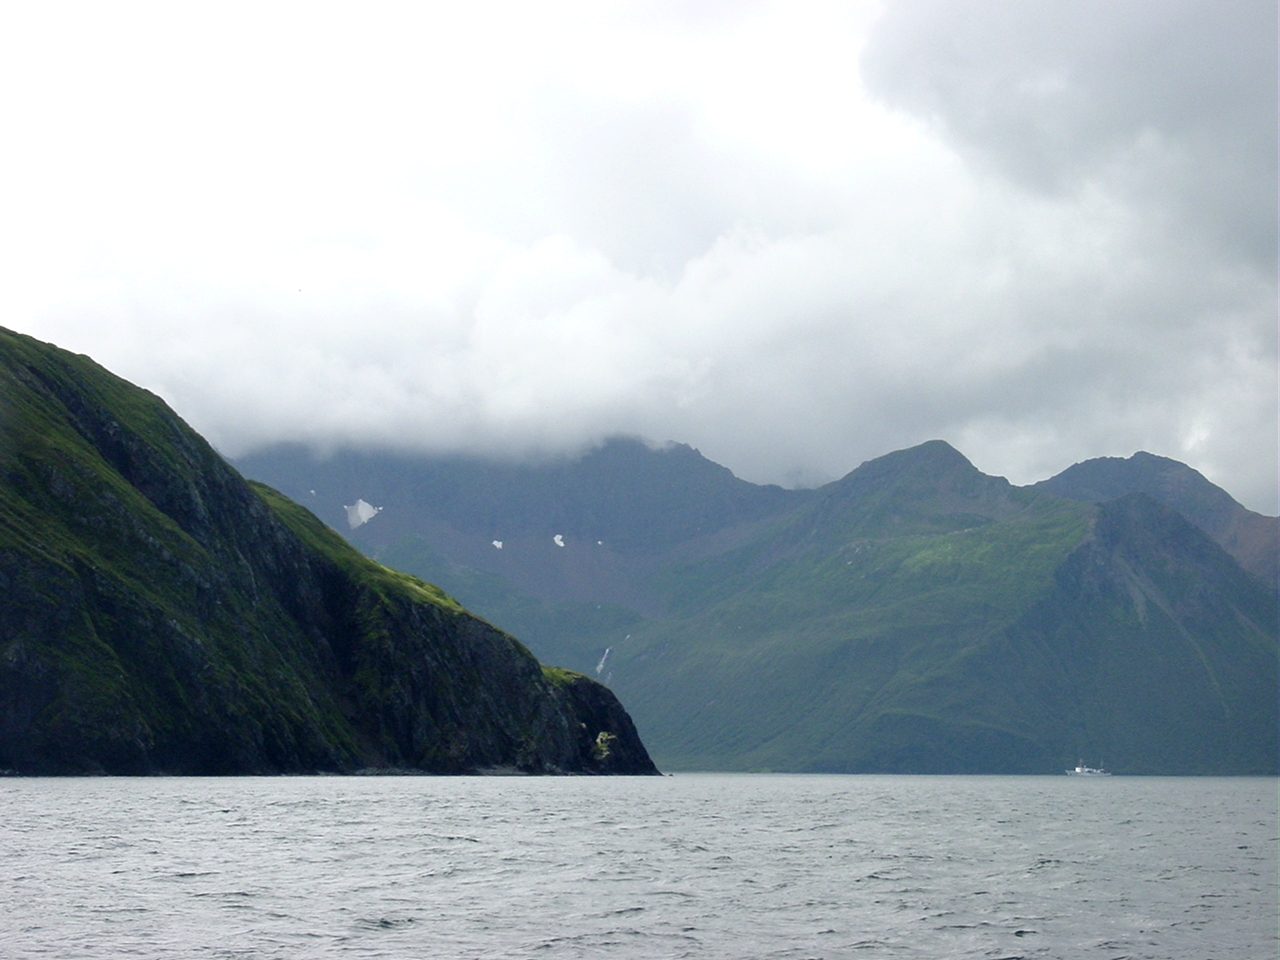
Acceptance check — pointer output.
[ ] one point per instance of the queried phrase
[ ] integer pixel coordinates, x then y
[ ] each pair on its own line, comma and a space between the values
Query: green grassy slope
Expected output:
924, 618
159, 613
124, 634
844, 616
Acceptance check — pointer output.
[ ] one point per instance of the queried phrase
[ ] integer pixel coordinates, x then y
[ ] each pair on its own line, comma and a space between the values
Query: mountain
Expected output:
1249, 537
914, 616
613, 509
158, 613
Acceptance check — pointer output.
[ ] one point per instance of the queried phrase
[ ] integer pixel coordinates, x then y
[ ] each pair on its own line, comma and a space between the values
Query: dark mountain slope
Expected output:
1249, 537
636, 498
921, 617
158, 613
1167, 650
833, 620
615, 509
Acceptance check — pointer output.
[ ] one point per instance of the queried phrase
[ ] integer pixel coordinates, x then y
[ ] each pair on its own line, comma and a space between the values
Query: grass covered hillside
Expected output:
158, 613
923, 617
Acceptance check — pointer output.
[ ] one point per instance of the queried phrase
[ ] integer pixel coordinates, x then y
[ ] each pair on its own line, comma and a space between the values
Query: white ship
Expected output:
1082, 771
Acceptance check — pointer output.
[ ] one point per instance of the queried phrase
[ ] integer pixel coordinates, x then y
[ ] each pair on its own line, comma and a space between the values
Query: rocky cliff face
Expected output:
160, 614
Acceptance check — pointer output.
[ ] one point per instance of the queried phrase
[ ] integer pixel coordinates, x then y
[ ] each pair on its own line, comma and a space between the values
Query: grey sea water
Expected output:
732, 866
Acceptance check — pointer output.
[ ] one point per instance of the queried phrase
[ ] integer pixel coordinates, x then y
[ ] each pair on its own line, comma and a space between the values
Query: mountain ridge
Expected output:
1248, 536
915, 615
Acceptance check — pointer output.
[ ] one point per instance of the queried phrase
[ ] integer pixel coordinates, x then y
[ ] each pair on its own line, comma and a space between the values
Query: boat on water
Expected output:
1082, 771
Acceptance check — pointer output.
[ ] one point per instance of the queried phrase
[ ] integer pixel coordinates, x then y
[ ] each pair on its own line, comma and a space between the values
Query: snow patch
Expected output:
360, 513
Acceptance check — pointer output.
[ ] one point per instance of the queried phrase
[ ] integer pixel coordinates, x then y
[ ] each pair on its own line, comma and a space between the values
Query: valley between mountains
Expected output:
915, 616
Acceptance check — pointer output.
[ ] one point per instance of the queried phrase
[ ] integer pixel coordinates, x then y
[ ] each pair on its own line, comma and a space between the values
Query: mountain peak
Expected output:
1105, 478
1250, 537
931, 486
937, 454
933, 462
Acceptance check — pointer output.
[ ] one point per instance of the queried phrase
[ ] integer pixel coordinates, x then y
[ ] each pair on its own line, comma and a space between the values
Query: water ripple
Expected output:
708, 866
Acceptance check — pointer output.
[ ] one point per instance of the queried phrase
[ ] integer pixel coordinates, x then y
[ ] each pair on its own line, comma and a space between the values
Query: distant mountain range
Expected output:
914, 616
159, 614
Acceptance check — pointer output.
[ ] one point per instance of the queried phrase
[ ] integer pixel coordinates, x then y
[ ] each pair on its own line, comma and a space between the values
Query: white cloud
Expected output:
518, 228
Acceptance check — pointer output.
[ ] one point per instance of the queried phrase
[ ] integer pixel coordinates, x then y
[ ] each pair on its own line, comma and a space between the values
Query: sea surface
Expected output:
705, 865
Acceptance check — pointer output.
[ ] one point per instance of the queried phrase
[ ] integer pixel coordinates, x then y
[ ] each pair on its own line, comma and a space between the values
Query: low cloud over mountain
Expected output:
795, 237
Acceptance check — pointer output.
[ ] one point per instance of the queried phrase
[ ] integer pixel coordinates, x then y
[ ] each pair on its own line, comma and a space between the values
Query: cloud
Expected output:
794, 236
1166, 103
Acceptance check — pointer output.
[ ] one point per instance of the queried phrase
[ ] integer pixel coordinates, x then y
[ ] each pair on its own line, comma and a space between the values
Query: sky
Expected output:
794, 235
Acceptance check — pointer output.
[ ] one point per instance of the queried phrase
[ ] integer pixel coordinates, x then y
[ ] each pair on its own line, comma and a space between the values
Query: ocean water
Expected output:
703, 866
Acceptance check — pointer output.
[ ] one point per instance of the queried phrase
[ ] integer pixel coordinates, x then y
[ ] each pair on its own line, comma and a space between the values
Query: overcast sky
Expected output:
794, 235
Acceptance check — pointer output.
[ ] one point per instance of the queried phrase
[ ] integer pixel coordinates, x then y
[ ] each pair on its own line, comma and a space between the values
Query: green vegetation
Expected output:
158, 613
1008, 647
325, 542
603, 747
561, 677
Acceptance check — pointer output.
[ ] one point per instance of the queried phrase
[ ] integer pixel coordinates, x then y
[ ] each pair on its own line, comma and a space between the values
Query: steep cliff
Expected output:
158, 613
